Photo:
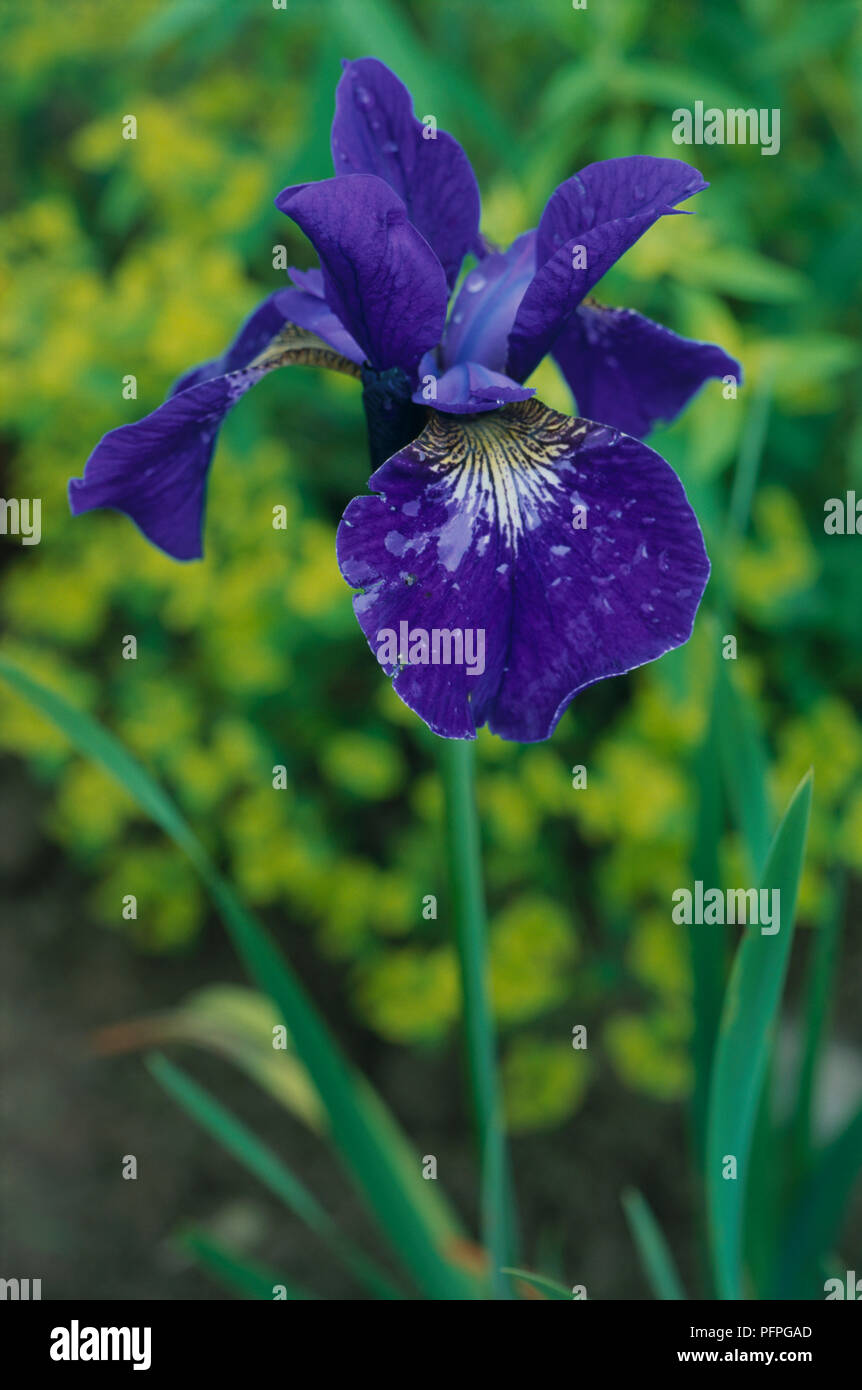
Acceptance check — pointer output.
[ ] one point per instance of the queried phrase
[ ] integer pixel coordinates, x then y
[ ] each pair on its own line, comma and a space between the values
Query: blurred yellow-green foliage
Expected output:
121, 257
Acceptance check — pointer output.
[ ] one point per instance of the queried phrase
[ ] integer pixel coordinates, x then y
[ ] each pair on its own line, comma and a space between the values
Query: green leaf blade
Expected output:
656, 1259
245, 1277
748, 1019
267, 1167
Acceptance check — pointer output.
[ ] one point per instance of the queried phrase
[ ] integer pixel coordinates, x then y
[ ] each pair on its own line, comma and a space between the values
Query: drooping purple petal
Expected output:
375, 132
484, 311
155, 470
478, 528
381, 277
631, 373
590, 221
469, 388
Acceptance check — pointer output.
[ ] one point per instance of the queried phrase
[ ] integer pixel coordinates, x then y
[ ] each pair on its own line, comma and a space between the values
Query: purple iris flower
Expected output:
508, 556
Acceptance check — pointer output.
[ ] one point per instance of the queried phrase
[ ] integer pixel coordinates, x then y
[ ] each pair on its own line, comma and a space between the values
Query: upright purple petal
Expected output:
570, 548
484, 311
309, 280
310, 312
155, 471
470, 388
631, 373
381, 277
590, 221
613, 190
375, 132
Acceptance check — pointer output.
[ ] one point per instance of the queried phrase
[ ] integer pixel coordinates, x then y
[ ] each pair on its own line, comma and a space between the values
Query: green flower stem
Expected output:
468, 899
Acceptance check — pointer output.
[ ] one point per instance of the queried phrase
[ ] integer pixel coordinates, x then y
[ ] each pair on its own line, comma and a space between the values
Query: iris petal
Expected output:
470, 388
484, 311
309, 280
381, 277
614, 190
155, 470
629, 372
313, 314
590, 221
375, 132
476, 528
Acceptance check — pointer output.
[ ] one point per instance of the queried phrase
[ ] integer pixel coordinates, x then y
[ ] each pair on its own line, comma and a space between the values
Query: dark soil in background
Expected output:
69, 1118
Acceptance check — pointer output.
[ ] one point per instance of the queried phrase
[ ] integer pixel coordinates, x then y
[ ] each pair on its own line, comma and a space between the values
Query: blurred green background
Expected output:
141, 257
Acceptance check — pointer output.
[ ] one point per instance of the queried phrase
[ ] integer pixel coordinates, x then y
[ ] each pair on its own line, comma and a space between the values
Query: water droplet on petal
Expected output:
475, 282
363, 97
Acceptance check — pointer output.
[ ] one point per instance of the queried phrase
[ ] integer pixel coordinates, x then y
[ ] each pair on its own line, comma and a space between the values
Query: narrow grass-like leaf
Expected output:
751, 445
235, 1022
744, 765
747, 1026
813, 1226
751, 452
268, 1168
707, 949
656, 1259
821, 974
416, 1221
765, 1189
243, 1276
549, 1287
